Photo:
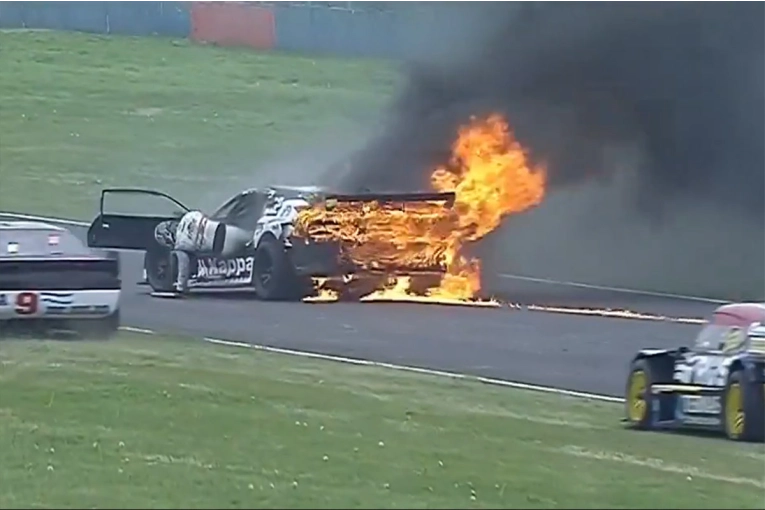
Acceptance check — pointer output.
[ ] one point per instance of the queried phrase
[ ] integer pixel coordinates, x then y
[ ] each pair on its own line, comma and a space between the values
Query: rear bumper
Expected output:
57, 305
325, 259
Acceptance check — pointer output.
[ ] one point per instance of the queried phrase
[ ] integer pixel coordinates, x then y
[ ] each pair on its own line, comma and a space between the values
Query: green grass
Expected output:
80, 112
156, 422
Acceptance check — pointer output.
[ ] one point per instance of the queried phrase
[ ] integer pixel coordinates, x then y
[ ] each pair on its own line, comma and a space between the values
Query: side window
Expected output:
242, 211
251, 211
711, 337
141, 203
224, 211
715, 337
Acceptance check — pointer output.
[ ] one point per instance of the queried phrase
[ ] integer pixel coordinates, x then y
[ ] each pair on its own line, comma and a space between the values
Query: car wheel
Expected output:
273, 277
160, 268
743, 408
638, 397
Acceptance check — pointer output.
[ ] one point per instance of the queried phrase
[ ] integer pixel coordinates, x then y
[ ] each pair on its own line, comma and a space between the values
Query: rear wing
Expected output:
391, 242
391, 198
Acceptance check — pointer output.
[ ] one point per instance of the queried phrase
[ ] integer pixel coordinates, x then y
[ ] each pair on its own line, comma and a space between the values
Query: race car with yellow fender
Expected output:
717, 383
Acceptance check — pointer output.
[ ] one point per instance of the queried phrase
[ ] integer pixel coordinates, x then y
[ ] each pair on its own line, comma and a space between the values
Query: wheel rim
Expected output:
636, 396
734, 411
157, 270
265, 268
161, 269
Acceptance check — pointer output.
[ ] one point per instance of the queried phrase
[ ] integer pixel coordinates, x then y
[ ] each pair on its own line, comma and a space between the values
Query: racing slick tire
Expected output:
638, 397
273, 276
743, 409
102, 328
161, 267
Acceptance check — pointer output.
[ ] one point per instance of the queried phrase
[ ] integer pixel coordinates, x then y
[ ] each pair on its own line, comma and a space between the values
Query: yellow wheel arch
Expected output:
735, 418
637, 407
637, 397
743, 410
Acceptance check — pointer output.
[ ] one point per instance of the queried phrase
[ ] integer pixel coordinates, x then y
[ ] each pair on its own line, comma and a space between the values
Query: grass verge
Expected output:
80, 112
150, 422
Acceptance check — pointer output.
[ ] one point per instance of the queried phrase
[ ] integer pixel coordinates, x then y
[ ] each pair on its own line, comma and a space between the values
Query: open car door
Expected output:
117, 227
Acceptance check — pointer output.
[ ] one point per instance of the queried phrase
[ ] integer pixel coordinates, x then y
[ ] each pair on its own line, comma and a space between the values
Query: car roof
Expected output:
29, 225
22, 239
285, 190
746, 313
310, 188
305, 189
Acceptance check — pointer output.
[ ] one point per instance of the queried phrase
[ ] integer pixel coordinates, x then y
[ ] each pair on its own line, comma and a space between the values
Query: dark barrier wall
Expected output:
367, 29
400, 30
130, 18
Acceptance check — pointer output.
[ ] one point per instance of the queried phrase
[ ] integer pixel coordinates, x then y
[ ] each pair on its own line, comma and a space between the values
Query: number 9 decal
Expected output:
26, 303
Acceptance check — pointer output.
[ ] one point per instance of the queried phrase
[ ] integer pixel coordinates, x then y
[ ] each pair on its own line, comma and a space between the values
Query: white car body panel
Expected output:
235, 239
278, 218
58, 304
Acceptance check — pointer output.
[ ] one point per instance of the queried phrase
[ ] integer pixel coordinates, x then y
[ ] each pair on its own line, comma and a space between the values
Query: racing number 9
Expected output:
26, 303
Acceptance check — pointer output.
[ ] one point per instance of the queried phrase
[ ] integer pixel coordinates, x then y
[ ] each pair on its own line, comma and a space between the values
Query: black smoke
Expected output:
682, 83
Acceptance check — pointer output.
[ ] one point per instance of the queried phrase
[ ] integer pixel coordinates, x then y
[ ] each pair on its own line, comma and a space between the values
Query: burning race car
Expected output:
293, 243
50, 281
279, 240
717, 383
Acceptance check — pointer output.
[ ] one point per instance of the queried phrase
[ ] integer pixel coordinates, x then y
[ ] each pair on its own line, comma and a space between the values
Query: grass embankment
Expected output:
80, 112
150, 422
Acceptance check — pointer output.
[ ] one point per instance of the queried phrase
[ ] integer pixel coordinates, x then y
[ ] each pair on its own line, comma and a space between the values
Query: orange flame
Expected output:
491, 177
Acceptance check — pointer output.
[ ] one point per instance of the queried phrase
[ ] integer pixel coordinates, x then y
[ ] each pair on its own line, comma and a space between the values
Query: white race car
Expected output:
50, 281
251, 241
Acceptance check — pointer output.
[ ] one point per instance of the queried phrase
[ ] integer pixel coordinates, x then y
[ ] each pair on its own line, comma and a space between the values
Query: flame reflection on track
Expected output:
611, 313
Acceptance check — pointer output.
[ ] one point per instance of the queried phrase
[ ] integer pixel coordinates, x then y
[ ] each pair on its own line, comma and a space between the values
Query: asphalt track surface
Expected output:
581, 353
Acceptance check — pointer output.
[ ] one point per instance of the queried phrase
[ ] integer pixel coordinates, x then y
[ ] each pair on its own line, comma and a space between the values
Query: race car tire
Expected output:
160, 267
358, 287
273, 275
743, 409
102, 328
638, 397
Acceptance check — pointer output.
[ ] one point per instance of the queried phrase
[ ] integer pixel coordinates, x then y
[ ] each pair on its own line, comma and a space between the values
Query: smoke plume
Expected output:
670, 92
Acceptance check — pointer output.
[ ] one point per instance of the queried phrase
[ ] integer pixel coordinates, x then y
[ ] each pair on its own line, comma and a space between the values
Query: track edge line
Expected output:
419, 370
401, 368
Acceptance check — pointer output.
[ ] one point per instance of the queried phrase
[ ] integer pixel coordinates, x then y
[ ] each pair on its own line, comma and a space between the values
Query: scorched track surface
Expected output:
573, 352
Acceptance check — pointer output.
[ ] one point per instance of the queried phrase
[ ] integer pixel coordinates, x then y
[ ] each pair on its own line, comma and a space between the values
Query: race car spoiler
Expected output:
41, 273
446, 197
